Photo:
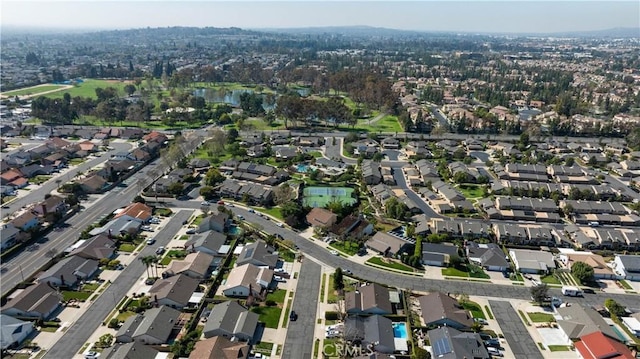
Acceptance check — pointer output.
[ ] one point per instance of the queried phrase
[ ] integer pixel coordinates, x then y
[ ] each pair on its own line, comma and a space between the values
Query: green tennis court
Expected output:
320, 196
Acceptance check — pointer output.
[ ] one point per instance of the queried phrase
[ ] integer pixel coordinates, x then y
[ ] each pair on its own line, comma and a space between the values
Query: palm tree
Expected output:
155, 260
147, 260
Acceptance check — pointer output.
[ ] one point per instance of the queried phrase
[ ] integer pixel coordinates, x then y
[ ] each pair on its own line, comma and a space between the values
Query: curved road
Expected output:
310, 248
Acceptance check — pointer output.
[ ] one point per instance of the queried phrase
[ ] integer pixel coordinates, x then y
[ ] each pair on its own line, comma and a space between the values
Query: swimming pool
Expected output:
400, 330
623, 338
234, 230
302, 168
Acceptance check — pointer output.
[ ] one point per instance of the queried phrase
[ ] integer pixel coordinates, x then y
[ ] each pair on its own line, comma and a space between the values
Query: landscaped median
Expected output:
393, 265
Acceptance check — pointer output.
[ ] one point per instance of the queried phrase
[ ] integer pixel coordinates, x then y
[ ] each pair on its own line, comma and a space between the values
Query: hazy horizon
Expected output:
450, 16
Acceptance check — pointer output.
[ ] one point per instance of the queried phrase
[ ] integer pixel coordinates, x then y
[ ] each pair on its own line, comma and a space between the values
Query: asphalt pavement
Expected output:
299, 341
78, 333
26, 263
514, 331
37, 194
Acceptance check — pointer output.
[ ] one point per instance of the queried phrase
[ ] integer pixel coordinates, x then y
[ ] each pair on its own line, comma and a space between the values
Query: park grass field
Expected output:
33, 90
388, 123
88, 88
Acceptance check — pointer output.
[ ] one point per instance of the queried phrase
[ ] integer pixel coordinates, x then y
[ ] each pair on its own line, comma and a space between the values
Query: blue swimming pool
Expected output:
622, 337
234, 231
400, 330
302, 168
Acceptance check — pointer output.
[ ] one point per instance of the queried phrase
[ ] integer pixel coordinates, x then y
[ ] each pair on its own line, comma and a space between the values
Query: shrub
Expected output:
331, 315
114, 323
271, 303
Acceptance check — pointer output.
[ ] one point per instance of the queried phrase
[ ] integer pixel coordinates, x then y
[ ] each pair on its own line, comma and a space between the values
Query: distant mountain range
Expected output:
381, 31
362, 30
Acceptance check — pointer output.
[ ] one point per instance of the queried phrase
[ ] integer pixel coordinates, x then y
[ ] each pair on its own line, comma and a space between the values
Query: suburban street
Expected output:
299, 340
36, 195
81, 330
28, 263
520, 342
366, 273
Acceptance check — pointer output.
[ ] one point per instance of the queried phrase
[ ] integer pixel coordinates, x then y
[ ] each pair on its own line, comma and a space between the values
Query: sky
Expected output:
454, 16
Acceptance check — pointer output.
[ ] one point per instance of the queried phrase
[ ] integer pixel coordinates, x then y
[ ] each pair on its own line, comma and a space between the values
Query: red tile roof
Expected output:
136, 210
598, 346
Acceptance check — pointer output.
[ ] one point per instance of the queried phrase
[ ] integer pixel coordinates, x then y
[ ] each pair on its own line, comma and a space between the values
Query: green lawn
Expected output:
471, 190
184, 237
315, 154
76, 161
388, 123
550, 279
127, 247
257, 124
273, 211
125, 315
454, 272
270, 316
474, 308
625, 285
173, 254
68, 294
88, 88
91, 287
541, 317
40, 179
277, 296
49, 329
286, 255
32, 90
264, 347
198, 220
559, 348
464, 272
347, 247
392, 264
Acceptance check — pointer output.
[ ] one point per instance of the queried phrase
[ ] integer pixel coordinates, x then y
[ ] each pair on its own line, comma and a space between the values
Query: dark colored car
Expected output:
492, 343
293, 316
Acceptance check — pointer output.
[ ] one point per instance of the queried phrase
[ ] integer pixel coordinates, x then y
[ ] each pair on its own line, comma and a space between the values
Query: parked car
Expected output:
160, 250
494, 352
151, 241
251, 210
481, 321
334, 252
205, 203
279, 270
293, 316
494, 343
146, 228
191, 231
240, 217
221, 203
278, 278
91, 355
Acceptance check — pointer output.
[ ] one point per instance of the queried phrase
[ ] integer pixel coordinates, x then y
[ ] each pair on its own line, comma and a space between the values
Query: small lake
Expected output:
232, 97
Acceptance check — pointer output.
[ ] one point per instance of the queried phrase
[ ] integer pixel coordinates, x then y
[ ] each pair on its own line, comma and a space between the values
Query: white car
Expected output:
151, 241
334, 252
279, 270
147, 228
278, 278
205, 203
279, 224
91, 355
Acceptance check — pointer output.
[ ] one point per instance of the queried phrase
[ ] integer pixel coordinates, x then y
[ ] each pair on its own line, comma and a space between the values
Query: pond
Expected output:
232, 97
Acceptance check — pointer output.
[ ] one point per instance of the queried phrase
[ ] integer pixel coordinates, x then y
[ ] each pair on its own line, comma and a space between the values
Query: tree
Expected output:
615, 308
283, 193
175, 188
539, 292
569, 161
129, 89
582, 272
147, 261
593, 161
207, 192
338, 280
213, 177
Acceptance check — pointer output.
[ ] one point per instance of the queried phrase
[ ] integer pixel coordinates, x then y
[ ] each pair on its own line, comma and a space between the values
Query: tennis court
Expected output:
320, 196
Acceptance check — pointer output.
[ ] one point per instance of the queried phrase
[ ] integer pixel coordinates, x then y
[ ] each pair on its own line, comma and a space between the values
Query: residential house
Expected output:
436, 254
374, 330
598, 346
140, 155
439, 309
530, 261
13, 331
386, 244
367, 300
210, 242
88, 146
627, 266
199, 165
450, 343
218, 222
12, 177
118, 226
284, 153
195, 265
391, 143
371, 173
247, 279
174, 291
258, 253
136, 211
134, 350
322, 218
38, 301
36, 169
96, 248
600, 268
131, 133
26, 221
69, 272
252, 192
153, 327
93, 184
52, 204
354, 226
489, 256
577, 321
155, 136
219, 348
9, 236
231, 320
